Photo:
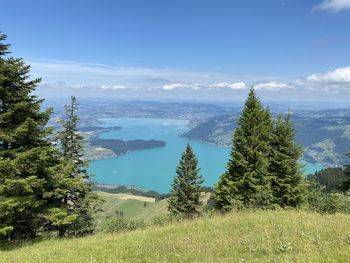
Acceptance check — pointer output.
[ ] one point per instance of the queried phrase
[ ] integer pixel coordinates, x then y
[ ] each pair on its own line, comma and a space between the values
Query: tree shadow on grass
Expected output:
8, 245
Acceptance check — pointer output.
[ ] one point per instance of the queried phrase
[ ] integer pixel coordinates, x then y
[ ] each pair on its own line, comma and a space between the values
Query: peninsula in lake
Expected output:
121, 147
104, 148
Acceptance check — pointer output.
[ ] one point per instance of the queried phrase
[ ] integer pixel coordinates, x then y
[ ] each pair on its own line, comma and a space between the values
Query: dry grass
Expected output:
127, 197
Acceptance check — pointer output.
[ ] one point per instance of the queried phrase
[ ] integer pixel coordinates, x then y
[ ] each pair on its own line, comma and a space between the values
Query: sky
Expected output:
289, 50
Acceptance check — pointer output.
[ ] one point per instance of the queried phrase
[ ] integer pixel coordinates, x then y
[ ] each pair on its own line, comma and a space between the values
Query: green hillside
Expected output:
259, 236
324, 134
132, 206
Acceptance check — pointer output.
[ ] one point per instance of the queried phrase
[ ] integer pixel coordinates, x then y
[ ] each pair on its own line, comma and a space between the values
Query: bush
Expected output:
5, 231
162, 220
330, 203
119, 224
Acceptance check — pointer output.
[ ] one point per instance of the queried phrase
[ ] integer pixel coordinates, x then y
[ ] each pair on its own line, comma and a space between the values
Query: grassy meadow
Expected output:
249, 236
133, 206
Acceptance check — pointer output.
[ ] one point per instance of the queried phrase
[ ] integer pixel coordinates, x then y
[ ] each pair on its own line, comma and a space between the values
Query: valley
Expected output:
323, 133
153, 134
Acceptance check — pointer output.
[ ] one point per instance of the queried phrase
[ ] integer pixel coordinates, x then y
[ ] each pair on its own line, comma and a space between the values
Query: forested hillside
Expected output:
324, 135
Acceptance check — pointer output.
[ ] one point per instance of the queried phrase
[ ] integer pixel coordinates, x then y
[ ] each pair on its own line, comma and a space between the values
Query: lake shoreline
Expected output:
155, 168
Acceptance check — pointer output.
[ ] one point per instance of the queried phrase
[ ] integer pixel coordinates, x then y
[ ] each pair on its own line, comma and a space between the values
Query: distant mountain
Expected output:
325, 135
217, 130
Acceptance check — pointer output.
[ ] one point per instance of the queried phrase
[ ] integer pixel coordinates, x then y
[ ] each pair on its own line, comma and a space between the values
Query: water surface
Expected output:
154, 169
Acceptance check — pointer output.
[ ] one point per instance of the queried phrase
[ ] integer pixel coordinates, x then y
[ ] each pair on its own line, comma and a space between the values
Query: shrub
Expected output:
162, 220
330, 203
117, 224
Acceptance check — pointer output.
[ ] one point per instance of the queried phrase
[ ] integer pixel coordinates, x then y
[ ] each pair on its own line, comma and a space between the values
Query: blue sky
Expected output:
184, 49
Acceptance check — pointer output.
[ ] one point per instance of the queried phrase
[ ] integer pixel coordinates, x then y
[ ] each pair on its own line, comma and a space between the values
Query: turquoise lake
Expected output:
154, 169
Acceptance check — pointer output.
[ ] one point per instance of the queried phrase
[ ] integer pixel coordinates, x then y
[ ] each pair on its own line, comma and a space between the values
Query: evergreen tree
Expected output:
185, 194
247, 182
331, 178
345, 186
71, 140
79, 200
33, 178
288, 183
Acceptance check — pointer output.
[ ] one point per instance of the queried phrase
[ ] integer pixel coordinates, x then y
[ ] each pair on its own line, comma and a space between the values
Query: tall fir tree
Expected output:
184, 199
288, 183
80, 200
33, 177
345, 185
71, 140
247, 182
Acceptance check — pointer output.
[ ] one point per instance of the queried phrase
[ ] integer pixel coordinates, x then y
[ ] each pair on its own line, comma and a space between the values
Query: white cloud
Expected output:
71, 77
226, 85
272, 86
61, 85
339, 75
173, 86
115, 87
333, 5
330, 82
197, 86
77, 86
215, 86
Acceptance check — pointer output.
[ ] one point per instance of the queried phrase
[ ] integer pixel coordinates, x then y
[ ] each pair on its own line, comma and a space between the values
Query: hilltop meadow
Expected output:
249, 236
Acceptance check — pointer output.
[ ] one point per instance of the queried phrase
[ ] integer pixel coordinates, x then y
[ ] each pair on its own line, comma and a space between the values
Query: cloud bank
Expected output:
272, 86
334, 81
231, 86
79, 78
114, 87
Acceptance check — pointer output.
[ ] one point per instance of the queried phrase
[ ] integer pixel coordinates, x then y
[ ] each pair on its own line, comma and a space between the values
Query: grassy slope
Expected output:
261, 236
132, 208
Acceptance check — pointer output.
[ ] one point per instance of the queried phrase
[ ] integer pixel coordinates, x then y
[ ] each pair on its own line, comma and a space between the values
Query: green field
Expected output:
260, 236
138, 207
132, 208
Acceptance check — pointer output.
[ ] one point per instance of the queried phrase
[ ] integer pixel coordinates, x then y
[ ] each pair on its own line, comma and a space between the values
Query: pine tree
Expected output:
71, 140
80, 200
32, 174
184, 200
345, 185
288, 183
247, 182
